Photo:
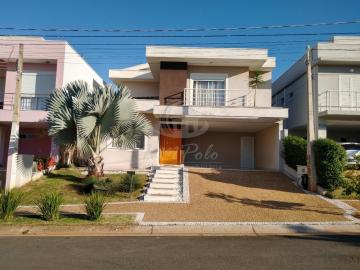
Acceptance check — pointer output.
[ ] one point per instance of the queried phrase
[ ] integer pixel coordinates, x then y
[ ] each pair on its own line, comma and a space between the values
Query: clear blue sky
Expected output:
180, 14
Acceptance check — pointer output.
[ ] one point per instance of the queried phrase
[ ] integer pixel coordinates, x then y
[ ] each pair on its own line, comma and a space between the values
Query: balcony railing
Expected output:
27, 102
339, 101
219, 97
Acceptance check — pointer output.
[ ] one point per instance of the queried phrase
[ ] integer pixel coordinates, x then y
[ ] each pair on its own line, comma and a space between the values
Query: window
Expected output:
36, 86
140, 144
282, 101
26, 136
208, 89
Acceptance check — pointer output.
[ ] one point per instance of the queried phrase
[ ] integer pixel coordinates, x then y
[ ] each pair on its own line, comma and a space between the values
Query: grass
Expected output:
70, 220
70, 183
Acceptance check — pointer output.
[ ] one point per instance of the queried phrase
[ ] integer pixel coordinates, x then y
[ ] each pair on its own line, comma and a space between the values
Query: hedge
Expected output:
294, 151
330, 158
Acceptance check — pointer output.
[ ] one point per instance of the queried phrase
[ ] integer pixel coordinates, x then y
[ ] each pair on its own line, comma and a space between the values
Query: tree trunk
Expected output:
96, 166
70, 154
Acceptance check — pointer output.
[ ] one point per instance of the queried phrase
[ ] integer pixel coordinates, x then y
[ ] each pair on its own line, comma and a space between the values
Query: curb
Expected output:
179, 230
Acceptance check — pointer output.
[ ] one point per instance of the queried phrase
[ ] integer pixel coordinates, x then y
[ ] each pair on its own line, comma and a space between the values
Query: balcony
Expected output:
339, 101
27, 102
212, 98
199, 103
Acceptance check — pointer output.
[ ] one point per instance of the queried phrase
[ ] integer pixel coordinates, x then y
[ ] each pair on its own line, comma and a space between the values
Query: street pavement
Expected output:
244, 252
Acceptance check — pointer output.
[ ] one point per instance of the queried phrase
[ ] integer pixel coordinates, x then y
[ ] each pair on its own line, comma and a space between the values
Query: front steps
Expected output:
165, 184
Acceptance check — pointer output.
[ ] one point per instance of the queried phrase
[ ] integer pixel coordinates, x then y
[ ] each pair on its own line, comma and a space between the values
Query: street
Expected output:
263, 252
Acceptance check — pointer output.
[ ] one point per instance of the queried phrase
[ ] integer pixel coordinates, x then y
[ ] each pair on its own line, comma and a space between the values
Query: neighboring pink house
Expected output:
48, 64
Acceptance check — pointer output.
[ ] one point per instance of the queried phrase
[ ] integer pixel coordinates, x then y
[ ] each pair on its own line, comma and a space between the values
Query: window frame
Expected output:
134, 149
210, 77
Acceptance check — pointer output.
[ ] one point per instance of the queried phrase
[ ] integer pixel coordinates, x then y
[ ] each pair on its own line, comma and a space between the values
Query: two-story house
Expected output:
47, 65
203, 111
336, 87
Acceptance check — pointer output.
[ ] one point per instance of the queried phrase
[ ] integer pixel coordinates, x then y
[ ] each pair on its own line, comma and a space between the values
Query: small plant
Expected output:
94, 205
49, 205
9, 202
51, 162
89, 183
40, 165
350, 186
130, 183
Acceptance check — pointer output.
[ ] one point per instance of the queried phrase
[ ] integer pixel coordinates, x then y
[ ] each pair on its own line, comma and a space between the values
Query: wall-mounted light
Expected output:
352, 70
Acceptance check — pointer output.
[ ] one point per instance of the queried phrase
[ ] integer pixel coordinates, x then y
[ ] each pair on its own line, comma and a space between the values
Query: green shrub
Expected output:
49, 205
129, 183
89, 183
350, 186
105, 185
9, 202
294, 151
94, 205
330, 158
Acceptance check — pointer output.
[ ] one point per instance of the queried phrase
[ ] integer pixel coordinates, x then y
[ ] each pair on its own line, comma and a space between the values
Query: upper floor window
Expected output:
36, 87
208, 89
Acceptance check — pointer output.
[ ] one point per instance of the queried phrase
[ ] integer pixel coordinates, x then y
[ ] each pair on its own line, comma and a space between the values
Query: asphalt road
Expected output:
311, 252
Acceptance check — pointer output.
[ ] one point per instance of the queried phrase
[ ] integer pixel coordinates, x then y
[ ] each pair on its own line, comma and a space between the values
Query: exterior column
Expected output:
282, 134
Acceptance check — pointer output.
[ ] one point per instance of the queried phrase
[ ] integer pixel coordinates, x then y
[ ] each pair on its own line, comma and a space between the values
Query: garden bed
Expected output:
74, 187
70, 219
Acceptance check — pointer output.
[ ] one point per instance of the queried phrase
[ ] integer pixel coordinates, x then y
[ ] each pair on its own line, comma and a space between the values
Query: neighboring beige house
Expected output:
336, 84
203, 111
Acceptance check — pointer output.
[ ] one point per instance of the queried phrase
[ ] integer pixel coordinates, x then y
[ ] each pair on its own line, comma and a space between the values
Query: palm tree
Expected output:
64, 111
97, 118
255, 80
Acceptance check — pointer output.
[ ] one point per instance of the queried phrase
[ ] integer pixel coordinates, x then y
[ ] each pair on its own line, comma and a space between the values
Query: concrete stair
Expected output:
165, 180
163, 191
160, 198
165, 184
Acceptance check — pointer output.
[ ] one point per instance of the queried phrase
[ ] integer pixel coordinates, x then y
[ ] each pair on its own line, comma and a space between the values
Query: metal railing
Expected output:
175, 99
339, 100
28, 102
219, 97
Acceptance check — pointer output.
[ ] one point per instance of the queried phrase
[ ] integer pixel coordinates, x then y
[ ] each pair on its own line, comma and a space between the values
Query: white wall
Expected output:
76, 68
119, 159
143, 89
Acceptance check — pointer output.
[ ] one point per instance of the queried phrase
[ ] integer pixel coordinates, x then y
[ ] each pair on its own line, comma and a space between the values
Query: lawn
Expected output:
71, 184
70, 220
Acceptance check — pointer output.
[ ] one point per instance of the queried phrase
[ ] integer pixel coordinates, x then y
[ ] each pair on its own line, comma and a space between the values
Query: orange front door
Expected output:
170, 146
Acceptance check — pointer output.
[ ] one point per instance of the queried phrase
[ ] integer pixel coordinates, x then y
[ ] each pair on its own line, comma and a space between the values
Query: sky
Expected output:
104, 53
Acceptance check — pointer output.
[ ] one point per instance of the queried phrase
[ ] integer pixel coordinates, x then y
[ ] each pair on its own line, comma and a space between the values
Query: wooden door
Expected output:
170, 146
